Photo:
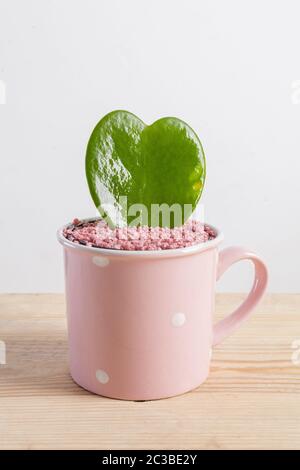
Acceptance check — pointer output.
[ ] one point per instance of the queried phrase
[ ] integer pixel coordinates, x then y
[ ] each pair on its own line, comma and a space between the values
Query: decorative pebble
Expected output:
98, 234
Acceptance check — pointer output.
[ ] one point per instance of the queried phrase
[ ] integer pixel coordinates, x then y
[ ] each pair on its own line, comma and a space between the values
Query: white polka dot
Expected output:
102, 376
100, 261
178, 319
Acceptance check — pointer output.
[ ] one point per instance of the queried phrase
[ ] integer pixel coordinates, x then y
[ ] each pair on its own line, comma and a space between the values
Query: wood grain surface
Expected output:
251, 399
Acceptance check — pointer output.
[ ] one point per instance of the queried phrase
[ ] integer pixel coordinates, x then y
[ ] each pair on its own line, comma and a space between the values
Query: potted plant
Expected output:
140, 279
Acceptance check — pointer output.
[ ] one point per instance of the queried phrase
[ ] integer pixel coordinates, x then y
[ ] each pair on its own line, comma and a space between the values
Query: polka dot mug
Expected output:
140, 323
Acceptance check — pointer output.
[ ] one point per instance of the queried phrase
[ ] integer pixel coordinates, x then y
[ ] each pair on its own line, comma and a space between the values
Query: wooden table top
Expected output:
251, 399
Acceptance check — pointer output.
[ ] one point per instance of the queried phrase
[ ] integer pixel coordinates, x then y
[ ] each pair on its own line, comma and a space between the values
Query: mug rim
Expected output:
188, 250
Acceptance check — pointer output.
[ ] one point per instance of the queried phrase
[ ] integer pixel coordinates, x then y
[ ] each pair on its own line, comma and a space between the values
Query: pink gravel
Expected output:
98, 234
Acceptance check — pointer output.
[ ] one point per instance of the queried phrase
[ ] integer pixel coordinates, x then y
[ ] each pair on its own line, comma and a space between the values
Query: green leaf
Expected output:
126, 160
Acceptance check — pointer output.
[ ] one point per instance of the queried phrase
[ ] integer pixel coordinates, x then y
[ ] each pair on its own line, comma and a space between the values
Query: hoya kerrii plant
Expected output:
135, 170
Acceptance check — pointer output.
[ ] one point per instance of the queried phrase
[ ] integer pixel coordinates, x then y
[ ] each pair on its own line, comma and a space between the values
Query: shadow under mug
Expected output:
140, 323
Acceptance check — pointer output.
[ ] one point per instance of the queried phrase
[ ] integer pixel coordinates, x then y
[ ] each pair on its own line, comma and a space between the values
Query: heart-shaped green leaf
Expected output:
128, 162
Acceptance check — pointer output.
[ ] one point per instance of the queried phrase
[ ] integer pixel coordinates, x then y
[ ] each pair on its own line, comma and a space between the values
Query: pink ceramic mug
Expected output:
140, 324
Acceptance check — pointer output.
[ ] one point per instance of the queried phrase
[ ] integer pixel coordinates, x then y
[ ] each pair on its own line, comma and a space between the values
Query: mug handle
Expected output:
227, 257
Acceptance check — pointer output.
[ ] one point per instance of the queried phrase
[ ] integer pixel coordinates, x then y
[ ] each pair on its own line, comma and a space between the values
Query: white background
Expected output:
228, 68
